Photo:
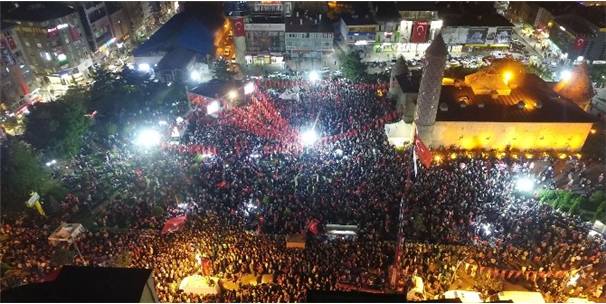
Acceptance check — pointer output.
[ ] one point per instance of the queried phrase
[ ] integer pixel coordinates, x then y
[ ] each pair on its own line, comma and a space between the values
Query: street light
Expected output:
525, 184
195, 76
233, 94
313, 76
308, 137
143, 67
249, 88
148, 138
212, 108
565, 75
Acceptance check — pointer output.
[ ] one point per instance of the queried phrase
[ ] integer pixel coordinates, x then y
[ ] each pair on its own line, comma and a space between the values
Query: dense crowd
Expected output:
242, 203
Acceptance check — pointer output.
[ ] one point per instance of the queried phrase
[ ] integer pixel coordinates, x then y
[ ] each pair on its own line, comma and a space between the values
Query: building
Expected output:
89, 284
265, 40
51, 38
356, 30
96, 22
19, 86
419, 25
471, 27
499, 107
531, 13
176, 49
308, 42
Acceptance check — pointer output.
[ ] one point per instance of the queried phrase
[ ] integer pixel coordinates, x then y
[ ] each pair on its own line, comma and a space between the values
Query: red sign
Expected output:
580, 42
238, 24
419, 32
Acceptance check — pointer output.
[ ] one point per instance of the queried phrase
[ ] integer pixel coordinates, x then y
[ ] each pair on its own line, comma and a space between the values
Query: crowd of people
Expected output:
242, 203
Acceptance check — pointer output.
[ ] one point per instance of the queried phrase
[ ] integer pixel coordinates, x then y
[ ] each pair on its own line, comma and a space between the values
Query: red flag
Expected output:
222, 184
423, 152
238, 24
174, 224
419, 32
312, 226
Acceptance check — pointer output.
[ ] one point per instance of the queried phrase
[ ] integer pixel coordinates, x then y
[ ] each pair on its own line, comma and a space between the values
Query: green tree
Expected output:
221, 70
57, 128
22, 173
352, 66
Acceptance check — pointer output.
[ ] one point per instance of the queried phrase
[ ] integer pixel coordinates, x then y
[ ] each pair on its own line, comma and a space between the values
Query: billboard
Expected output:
477, 35
420, 31
503, 35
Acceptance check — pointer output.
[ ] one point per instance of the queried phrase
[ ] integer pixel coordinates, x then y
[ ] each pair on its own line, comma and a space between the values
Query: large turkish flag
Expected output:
419, 32
238, 24
423, 152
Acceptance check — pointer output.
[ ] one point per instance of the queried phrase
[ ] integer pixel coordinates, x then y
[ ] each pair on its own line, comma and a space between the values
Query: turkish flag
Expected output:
423, 152
238, 24
174, 224
312, 226
580, 42
419, 32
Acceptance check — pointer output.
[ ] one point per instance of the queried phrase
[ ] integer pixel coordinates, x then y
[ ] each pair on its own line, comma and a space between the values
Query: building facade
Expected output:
308, 42
52, 42
18, 84
96, 22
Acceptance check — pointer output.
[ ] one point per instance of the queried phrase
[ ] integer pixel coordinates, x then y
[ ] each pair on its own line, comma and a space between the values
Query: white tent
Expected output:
399, 133
200, 285
66, 233
465, 296
521, 296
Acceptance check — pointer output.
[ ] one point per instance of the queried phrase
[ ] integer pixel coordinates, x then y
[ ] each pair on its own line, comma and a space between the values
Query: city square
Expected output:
278, 151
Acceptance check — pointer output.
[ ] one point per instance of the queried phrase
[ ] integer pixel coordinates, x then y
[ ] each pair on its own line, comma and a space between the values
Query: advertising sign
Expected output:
420, 30
477, 36
503, 35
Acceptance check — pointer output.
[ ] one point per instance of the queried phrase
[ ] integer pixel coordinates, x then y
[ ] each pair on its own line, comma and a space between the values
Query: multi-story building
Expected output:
309, 42
419, 25
52, 42
265, 42
96, 22
18, 84
357, 30
473, 27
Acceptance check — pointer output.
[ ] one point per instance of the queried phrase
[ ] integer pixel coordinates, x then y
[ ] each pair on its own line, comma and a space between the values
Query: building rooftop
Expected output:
308, 24
576, 25
358, 20
386, 11
215, 88
416, 6
85, 284
183, 31
267, 19
176, 59
593, 14
506, 108
35, 11
471, 14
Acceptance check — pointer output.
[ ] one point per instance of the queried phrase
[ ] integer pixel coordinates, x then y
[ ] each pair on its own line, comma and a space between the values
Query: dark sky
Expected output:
209, 13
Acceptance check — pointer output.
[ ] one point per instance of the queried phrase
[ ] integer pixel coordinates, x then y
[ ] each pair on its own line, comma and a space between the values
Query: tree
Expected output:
221, 70
57, 128
22, 173
352, 66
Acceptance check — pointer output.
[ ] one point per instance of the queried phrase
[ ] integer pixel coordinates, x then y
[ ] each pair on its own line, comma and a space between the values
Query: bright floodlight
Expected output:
212, 108
565, 75
143, 67
525, 184
249, 88
308, 137
148, 138
195, 75
314, 76
233, 94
